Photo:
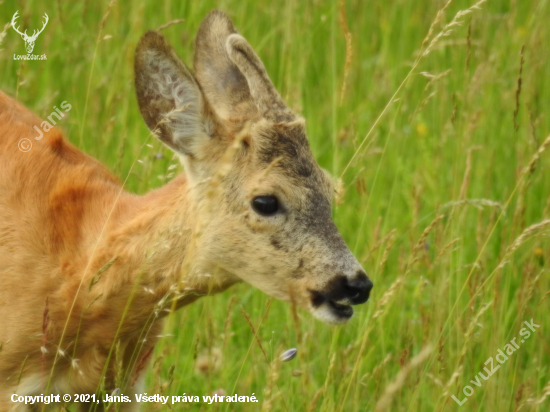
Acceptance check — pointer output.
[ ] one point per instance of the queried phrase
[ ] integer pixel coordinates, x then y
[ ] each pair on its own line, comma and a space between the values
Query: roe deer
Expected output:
86, 267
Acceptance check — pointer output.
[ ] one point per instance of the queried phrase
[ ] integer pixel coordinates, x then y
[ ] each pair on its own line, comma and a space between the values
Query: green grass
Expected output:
436, 151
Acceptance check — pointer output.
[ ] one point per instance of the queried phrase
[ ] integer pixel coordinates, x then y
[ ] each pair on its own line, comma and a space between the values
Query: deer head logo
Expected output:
29, 40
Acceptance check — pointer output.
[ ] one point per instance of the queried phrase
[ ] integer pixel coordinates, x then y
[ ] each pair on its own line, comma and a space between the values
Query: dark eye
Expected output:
265, 205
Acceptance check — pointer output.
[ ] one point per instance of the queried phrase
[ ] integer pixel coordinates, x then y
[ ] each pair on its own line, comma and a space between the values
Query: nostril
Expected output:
359, 285
359, 282
359, 288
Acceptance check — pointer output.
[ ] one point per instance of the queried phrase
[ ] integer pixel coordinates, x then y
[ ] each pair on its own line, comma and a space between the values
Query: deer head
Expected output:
270, 222
29, 40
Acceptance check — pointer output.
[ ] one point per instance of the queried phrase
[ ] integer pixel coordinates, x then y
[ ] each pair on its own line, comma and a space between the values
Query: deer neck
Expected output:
156, 250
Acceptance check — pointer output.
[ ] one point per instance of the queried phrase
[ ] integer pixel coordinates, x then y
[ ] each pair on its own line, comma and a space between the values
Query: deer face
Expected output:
267, 202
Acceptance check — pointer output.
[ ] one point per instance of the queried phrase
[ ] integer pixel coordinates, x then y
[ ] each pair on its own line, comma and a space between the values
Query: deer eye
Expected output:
265, 205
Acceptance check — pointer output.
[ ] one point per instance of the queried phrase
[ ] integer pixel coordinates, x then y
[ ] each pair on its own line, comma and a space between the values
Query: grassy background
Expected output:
448, 146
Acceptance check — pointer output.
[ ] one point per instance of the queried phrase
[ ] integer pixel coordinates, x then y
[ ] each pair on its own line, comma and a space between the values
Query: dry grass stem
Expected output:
446, 248
524, 180
4, 32
349, 50
530, 232
384, 403
438, 18
386, 297
391, 241
518, 90
420, 245
445, 32
249, 321
533, 402
468, 169
170, 23
456, 21
477, 203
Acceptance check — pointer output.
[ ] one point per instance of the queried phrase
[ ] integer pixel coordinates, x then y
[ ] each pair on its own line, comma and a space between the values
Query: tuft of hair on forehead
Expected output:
286, 142
285, 148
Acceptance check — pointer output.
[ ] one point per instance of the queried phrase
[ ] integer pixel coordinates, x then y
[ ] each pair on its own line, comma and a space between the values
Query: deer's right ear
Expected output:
169, 98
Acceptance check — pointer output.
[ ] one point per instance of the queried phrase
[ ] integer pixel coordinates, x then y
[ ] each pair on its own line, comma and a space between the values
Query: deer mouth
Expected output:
342, 311
329, 310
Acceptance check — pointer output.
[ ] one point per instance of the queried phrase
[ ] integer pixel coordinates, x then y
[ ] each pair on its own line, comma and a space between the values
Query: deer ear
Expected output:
224, 86
268, 101
169, 98
232, 75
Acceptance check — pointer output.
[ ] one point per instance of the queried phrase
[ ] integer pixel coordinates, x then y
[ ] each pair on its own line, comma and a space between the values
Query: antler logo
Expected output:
29, 40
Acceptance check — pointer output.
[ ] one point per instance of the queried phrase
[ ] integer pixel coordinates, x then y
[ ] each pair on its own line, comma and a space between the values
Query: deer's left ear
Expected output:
169, 98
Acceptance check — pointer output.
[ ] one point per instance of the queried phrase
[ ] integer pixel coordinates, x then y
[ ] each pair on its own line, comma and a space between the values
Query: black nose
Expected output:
359, 288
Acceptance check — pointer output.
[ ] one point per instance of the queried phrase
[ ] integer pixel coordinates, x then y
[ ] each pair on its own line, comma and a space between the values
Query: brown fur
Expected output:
88, 270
